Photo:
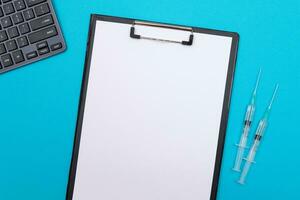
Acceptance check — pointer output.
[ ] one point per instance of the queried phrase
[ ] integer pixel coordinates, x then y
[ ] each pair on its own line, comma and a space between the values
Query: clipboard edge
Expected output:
84, 85
80, 111
225, 115
124, 20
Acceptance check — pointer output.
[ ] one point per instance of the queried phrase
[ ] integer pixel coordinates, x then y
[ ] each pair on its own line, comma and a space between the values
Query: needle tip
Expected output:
274, 95
257, 81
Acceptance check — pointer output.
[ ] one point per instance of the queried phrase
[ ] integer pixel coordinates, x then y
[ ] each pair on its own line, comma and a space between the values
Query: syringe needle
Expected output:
247, 124
273, 97
257, 81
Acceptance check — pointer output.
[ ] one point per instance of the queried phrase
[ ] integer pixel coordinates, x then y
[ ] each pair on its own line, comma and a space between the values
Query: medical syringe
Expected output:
247, 124
258, 136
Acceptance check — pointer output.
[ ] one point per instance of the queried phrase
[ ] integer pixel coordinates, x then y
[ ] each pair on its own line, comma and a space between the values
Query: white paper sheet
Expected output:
152, 115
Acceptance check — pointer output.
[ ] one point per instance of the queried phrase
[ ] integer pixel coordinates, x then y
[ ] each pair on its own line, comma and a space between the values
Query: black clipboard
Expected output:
188, 42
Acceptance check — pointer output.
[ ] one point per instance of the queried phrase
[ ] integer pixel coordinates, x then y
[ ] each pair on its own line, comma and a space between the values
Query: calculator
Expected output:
29, 32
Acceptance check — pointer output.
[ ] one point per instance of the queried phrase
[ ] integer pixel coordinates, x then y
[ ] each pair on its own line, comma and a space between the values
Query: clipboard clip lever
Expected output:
136, 36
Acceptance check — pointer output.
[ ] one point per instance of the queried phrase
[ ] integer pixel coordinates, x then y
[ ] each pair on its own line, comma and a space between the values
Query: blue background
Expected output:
39, 102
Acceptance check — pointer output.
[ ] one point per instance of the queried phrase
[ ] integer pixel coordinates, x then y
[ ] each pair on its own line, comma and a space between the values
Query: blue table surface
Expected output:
39, 102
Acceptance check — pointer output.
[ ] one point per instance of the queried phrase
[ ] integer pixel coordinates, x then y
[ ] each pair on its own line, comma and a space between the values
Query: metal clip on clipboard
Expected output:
136, 36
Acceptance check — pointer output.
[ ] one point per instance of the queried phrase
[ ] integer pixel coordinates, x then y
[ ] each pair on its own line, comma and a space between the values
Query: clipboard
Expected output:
153, 111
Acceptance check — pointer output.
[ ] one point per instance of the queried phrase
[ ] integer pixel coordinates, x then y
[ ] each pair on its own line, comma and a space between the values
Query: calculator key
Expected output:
2, 49
42, 9
11, 45
6, 22
8, 8
5, 1
3, 36
28, 14
42, 34
19, 5
13, 32
41, 22
22, 41
7, 60
24, 28
17, 18
18, 56
55, 47
44, 51
34, 2
42, 45
31, 55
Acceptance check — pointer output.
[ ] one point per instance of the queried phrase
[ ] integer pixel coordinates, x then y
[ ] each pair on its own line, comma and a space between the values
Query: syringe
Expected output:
258, 136
247, 124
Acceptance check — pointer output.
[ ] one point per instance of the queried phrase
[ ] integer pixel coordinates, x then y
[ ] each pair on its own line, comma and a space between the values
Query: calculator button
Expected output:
18, 56
55, 47
42, 34
11, 45
19, 5
22, 41
34, 2
7, 60
31, 55
44, 51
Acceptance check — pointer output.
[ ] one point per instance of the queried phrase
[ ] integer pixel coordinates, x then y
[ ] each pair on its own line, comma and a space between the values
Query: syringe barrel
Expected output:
244, 138
244, 173
252, 152
239, 159
249, 115
257, 139
261, 128
249, 161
